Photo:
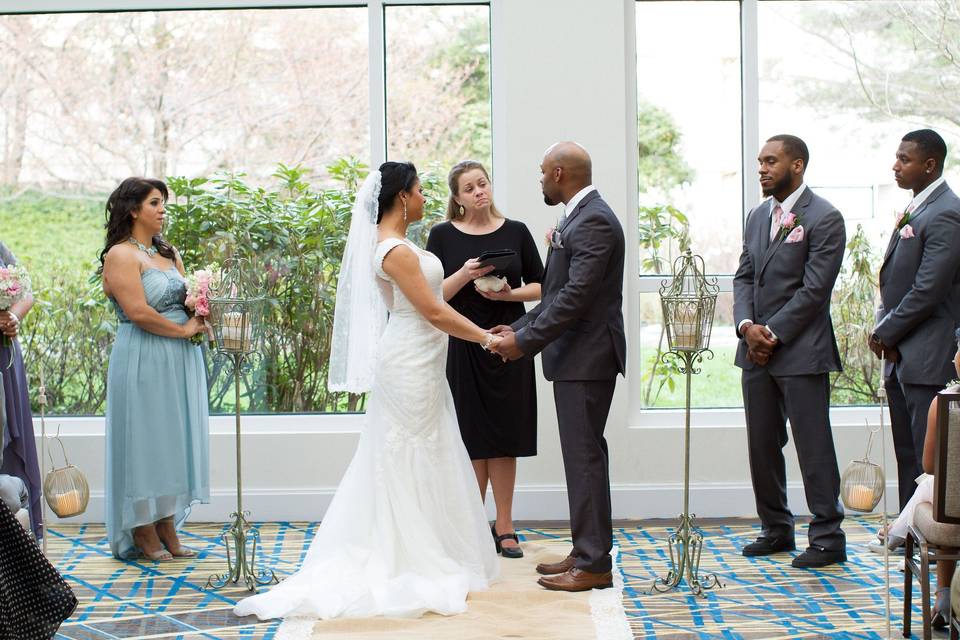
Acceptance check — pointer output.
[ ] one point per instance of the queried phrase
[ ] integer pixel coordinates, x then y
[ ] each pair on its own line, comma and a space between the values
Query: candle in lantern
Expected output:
860, 497
66, 503
686, 329
234, 332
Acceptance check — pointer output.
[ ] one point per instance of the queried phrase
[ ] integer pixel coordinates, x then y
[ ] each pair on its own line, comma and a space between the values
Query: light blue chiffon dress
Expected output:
157, 458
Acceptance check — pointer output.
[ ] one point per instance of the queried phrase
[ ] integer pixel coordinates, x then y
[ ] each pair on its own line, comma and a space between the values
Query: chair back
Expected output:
946, 468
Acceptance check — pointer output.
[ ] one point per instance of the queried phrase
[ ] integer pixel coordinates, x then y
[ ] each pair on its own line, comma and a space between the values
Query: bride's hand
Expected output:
472, 270
491, 342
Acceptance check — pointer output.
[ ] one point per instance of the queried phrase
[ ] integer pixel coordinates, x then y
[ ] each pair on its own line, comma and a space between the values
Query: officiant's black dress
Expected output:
496, 402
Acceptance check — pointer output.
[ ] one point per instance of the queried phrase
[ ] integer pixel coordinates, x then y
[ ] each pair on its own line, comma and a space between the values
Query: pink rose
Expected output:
795, 236
203, 307
190, 302
900, 218
906, 231
788, 220
549, 236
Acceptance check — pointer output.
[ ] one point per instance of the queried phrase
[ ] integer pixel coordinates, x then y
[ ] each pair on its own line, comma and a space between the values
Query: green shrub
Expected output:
295, 235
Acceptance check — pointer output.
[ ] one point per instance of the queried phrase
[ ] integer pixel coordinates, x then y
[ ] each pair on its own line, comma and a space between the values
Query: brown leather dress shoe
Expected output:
553, 568
577, 580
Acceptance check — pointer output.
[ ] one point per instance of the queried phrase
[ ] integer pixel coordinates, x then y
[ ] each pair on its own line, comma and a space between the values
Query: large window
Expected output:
689, 174
260, 120
438, 84
848, 77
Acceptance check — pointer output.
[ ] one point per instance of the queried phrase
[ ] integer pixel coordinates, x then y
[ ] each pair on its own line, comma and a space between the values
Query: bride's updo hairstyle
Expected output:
394, 178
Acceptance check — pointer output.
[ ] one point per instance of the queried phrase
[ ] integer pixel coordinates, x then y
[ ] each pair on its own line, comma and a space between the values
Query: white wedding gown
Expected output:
406, 532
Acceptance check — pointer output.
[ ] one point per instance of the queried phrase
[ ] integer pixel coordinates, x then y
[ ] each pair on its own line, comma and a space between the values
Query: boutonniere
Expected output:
553, 238
903, 218
787, 222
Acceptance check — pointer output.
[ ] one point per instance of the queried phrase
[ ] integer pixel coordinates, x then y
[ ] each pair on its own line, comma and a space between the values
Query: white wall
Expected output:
562, 69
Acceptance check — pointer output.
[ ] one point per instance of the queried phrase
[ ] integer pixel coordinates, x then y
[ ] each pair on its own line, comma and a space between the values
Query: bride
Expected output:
406, 531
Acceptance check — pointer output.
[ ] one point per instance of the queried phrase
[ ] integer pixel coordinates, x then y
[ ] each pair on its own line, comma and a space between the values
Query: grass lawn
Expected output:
51, 234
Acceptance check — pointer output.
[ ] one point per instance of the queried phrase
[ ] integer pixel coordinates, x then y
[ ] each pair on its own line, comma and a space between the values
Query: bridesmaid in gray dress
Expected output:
19, 445
157, 432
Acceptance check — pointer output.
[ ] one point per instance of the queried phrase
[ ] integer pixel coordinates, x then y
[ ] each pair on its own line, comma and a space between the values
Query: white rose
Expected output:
490, 283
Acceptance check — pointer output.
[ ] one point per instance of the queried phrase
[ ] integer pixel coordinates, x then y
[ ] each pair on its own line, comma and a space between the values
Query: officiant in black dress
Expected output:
496, 403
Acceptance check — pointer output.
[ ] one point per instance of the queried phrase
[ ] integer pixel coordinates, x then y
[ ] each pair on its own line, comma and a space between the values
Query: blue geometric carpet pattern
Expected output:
761, 597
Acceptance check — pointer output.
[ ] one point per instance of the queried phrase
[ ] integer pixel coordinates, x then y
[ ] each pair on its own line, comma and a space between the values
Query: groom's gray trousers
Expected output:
582, 408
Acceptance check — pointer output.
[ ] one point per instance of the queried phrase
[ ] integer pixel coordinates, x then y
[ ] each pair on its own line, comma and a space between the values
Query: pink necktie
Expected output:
775, 223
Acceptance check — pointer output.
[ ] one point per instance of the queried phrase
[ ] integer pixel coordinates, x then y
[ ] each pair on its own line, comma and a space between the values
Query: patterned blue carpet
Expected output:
761, 597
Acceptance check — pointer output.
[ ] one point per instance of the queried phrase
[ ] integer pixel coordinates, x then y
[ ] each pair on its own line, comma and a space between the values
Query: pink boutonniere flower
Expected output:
906, 231
549, 235
787, 222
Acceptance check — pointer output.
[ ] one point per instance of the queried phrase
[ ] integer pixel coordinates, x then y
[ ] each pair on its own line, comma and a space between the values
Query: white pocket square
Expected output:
795, 236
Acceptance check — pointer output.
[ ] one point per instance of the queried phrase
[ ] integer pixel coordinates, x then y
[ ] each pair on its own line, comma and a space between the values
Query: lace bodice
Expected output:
430, 265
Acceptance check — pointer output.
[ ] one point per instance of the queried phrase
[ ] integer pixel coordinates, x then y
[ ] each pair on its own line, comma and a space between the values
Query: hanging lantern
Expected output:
688, 301
862, 483
65, 488
236, 309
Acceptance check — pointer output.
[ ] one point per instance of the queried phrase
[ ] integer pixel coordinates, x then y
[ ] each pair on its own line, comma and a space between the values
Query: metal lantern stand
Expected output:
236, 321
688, 300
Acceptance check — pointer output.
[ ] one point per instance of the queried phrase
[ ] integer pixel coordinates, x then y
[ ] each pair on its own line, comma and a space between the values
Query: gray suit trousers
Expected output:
582, 409
805, 399
909, 404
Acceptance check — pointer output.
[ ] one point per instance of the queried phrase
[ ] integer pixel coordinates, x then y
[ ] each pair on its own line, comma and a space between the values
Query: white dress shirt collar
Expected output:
921, 197
575, 200
789, 202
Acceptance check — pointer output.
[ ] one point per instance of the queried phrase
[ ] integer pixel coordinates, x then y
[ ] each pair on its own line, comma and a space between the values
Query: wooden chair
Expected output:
935, 532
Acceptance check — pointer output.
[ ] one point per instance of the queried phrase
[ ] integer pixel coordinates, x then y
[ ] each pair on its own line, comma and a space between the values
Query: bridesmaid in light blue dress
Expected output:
157, 454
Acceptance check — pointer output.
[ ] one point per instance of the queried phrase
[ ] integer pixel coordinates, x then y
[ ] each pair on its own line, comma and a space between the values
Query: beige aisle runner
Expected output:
514, 608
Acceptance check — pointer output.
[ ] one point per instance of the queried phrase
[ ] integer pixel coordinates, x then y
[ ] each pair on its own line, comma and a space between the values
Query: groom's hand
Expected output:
501, 330
507, 347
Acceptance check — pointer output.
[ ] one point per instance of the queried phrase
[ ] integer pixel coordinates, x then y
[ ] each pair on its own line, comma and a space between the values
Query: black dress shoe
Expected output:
764, 546
506, 552
815, 557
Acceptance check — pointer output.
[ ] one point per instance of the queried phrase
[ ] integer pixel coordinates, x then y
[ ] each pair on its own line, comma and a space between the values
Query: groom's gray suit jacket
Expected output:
578, 325
920, 291
787, 286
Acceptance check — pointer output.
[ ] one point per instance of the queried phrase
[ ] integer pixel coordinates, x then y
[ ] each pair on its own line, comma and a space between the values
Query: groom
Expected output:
578, 326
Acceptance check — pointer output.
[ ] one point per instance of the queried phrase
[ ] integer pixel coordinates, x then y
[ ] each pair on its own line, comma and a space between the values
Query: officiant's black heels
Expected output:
506, 552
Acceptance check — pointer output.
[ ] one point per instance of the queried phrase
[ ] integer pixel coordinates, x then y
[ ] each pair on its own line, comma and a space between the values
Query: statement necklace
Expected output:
150, 251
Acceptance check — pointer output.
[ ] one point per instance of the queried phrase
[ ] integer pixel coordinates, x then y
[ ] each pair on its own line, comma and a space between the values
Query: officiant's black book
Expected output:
499, 259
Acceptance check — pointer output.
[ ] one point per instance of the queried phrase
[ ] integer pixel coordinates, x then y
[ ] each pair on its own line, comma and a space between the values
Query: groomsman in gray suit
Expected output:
920, 295
793, 246
578, 329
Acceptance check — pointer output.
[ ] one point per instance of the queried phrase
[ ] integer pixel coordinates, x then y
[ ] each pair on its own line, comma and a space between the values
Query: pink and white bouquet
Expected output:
14, 286
198, 296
